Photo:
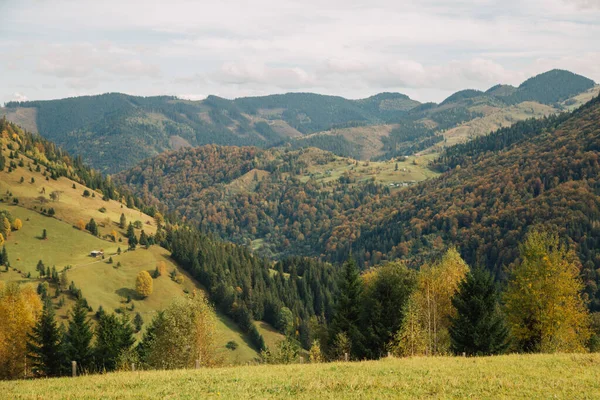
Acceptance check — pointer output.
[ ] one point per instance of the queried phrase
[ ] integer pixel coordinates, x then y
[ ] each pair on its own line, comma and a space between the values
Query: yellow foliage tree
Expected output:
183, 333
20, 307
80, 225
430, 307
1, 239
143, 284
544, 305
5, 228
113, 233
17, 224
161, 267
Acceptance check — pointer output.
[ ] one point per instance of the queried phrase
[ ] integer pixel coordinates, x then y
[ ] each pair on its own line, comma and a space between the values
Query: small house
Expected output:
97, 253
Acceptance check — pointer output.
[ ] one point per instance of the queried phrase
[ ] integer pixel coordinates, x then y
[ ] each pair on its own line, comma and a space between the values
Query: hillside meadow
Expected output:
560, 376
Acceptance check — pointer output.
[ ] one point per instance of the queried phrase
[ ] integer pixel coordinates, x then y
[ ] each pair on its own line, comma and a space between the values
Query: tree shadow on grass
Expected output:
128, 292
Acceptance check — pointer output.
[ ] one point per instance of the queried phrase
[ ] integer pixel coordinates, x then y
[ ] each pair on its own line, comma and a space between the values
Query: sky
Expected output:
427, 49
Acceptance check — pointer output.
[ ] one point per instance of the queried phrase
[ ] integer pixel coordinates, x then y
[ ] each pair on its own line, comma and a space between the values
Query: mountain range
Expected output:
113, 132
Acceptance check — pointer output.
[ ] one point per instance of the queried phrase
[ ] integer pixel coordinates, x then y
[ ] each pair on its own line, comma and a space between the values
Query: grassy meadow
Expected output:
559, 376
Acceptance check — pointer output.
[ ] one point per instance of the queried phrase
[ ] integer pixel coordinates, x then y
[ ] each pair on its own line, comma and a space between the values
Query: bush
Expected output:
232, 345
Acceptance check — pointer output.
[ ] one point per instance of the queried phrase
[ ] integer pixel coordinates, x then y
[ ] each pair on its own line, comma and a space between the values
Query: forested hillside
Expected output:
112, 132
244, 287
283, 200
535, 173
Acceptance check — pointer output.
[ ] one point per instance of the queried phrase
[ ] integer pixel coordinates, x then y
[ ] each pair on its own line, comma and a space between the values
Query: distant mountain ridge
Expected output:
114, 131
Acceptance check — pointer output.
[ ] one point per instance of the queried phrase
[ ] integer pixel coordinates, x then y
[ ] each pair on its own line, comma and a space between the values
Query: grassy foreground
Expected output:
514, 376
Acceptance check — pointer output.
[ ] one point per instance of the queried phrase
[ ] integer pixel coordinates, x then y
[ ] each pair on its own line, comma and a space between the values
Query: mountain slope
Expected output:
499, 186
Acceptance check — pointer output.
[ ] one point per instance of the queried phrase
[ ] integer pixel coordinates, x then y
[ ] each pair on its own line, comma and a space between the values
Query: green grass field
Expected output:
514, 376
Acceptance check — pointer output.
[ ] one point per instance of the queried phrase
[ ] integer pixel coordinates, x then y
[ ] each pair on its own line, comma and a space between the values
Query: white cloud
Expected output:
19, 97
345, 47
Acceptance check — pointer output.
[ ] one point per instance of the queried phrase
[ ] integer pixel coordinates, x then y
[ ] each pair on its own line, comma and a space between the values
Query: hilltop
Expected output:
112, 132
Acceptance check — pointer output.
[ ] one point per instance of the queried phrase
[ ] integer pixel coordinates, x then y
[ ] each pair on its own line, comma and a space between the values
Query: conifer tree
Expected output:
478, 328
122, 221
78, 338
132, 239
44, 344
346, 319
113, 336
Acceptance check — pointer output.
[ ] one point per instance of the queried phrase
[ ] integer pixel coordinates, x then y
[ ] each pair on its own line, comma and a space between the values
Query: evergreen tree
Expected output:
346, 319
132, 239
144, 239
3, 256
78, 338
478, 328
122, 221
44, 344
113, 337
92, 227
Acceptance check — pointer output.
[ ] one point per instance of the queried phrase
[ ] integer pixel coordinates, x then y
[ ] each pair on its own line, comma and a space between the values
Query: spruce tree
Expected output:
44, 344
478, 328
113, 336
346, 319
78, 338
132, 239
122, 221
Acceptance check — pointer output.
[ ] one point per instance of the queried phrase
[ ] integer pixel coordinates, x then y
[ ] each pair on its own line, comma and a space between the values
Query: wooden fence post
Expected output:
197, 364
133, 366
74, 368
346, 357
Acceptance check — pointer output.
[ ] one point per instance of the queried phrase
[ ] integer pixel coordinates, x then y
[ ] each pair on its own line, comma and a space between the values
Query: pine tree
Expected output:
478, 327
92, 227
346, 319
143, 239
122, 221
44, 344
78, 339
4, 256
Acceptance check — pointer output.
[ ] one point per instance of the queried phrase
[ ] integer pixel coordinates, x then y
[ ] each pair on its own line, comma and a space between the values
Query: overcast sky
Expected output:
426, 49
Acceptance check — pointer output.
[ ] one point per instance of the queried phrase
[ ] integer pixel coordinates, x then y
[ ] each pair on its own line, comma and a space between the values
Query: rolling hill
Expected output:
29, 195
112, 132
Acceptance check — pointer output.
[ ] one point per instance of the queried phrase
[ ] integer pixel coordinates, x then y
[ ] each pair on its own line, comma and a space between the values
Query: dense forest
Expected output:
535, 173
495, 188
244, 194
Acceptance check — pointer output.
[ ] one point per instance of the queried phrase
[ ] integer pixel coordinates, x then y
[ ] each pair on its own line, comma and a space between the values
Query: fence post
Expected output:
464, 354
389, 354
346, 357
133, 366
197, 364
74, 368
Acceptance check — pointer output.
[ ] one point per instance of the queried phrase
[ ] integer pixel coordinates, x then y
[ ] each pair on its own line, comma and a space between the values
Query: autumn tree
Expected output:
17, 224
180, 335
411, 338
161, 269
80, 225
143, 284
20, 307
1, 239
544, 304
5, 228
478, 328
432, 299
